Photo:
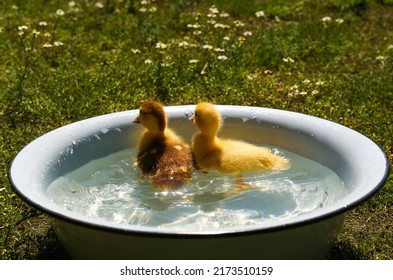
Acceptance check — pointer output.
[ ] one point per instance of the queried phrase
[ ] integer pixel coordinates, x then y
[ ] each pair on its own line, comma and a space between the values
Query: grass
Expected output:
65, 61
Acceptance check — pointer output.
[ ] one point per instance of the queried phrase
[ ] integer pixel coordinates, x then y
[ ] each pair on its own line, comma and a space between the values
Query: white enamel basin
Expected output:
357, 160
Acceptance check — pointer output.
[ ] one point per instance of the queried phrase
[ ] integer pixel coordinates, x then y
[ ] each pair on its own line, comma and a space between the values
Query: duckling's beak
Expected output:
136, 120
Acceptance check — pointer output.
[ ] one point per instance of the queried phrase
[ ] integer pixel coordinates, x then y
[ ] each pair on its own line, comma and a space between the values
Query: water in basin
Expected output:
111, 189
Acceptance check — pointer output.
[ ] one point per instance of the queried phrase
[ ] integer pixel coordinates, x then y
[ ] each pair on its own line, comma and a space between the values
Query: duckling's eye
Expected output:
196, 113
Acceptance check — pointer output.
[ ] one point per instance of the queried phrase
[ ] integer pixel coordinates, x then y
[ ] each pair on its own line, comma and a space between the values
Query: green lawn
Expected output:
63, 61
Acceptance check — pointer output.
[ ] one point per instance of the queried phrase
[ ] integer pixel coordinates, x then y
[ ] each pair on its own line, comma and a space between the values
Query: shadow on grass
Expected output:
342, 251
51, 248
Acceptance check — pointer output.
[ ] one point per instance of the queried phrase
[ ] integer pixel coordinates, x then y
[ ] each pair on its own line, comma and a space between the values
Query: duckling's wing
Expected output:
174, 167
148, 157
240, 156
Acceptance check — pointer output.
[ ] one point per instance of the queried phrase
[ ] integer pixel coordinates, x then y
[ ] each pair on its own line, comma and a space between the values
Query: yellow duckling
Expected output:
162, 155
227, 155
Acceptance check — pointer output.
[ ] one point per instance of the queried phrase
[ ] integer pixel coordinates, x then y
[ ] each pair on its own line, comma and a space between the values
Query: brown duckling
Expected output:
162, 155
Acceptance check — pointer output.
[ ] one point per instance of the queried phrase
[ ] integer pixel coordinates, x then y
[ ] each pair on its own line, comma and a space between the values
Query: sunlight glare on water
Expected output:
111, 189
